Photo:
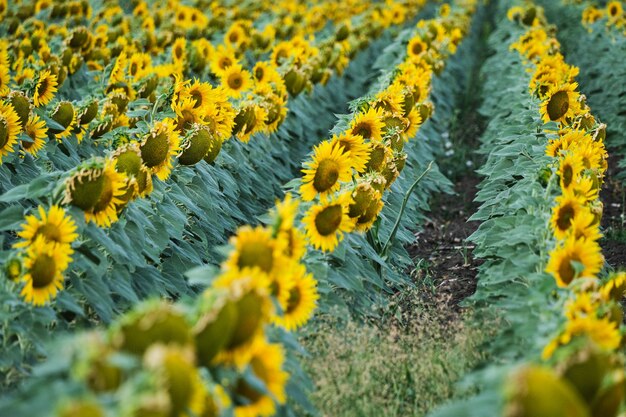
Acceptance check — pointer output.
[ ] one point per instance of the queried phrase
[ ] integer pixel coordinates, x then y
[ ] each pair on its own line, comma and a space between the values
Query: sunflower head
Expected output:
44, 265
152, 322
214, 150
45, 88
196, 145
330, 167
21, 105
13, 269
88, 112
574, 258
215, 325
10, 127
326, 222
80, 408
84, 187
64, 115
159, 147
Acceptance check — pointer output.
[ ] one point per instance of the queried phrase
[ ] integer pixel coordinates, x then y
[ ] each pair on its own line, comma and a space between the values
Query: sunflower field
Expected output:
312, 208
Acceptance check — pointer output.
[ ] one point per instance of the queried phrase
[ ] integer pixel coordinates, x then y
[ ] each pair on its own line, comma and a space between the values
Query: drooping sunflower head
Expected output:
114, 186
22, 106
326, 222
44, 265
574, 258
236, 80
10, 127
66, 117
369, 125
561, 103
45, 88
84, 186
159, 147
330, 166
153, 322
196, 145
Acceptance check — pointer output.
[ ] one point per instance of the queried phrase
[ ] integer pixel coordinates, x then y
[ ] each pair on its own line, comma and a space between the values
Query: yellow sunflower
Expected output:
584, 225
5, 76
602, 331
355, 148
416, 48
574, 258
368, 125
222, 59
37, 131
285, 212
187, 114
614, 10
329, 167
200, 93
179, 51
44, 265
117, 72
326, 222
159, 147
266, 362
366, 204
104, 212
301, 302
565, 141
45, 88
567, 208
561, 103
254, 248
236, 80
10, 127
55, 226
570, 169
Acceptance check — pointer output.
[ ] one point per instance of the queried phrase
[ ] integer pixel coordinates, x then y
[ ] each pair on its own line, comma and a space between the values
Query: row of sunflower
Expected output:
203, 117
612, 14
215, 357
589, 377
559, 351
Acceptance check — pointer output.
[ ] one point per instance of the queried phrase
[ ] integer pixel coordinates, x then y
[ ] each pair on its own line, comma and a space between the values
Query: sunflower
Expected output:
570, 168
567, 208
45, 88
159, 147
355, 148
179, 51
584, 225
285, 212
200, 93
329, 167
104, 212
187, 114
561, 103
416, 48
565, 141
236, 80
602, 331
614, 10
117, 72
574, 258
266, 362
253, 308
326, 222
223, 58
292, 242
415, 121
5, 76
368, 125
301, 301
367, 203
66, 116
44, 265
254, 248
10, 127
37, 131
55, 226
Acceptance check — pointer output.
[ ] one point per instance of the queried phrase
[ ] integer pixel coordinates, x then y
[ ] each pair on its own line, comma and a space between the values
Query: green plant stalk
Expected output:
385, 249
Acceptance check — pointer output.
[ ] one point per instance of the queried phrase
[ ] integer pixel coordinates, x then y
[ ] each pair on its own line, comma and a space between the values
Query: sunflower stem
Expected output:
396, 226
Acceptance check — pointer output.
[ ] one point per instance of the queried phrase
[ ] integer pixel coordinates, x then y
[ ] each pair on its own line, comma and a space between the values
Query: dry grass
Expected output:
394, 368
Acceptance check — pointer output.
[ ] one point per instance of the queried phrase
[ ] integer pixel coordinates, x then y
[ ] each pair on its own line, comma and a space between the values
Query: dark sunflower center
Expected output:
568, 175
328, 220
43, 87
133, 69
154, 150
256, 254
294, 299
233, 37
363, 129
566, 270
235, 81
244, 389
50, 231
185, 120
613, 10
43, 271
417, 48
558, 105
565, 216
178, 52
259, 74
326, 175
225, 62
4, 132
